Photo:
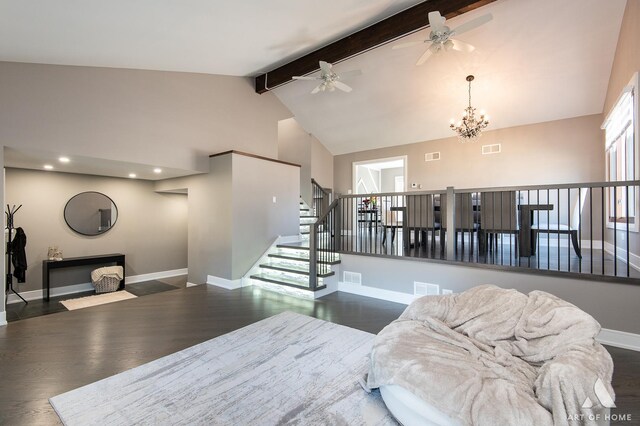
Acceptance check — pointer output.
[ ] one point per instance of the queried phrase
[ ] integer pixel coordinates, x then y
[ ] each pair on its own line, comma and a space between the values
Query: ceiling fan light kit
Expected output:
329, 79
469, 129
440, 38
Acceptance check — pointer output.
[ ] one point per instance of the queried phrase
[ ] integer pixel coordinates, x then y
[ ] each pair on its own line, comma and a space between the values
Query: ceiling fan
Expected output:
441, 39
330, 80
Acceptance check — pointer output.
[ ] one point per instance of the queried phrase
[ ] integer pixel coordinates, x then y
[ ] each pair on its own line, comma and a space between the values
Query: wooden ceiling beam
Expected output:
392, 28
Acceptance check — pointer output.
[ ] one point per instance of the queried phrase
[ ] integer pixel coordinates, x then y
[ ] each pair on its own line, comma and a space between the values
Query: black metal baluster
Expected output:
627, 236
604, 220
615, 231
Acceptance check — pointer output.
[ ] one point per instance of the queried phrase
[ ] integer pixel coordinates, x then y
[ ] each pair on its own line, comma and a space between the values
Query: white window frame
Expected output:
614, 129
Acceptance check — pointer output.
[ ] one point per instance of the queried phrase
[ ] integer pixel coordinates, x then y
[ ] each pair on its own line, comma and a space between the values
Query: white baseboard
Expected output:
331, 287
55, 291
619, 339
376, 293
3, 318
155, 276
78, 288
634, 260
191, 284
224, 283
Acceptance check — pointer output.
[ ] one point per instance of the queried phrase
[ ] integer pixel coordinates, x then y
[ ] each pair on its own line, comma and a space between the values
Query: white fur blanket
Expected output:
491, 356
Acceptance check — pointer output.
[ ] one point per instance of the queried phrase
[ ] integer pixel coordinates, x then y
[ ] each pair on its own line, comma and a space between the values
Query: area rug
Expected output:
98, 299
286, 369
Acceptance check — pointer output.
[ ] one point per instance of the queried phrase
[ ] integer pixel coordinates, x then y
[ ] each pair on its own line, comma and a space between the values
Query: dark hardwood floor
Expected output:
35, 308
48, 355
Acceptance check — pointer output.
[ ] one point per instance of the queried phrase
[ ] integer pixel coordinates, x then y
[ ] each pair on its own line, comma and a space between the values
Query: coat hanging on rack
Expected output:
19, 258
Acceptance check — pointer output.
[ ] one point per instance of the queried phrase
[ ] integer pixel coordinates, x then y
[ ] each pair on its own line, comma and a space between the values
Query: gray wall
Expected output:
321, 164
388, 178
370, 179
168, 119
232, 217
2, 266
294, 146
625, 63
151, 229
297, 146
563, 151
613, 305
257, 220
627, 58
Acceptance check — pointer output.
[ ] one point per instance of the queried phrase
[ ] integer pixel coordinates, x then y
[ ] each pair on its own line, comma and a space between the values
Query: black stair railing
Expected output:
323, 242
321, 198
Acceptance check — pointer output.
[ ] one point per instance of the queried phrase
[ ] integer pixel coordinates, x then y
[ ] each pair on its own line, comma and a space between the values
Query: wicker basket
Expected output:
106, 284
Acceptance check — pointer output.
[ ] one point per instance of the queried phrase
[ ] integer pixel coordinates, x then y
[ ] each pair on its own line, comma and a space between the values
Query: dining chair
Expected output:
577, 203
391, 219
421, 220
467, 219
498, 215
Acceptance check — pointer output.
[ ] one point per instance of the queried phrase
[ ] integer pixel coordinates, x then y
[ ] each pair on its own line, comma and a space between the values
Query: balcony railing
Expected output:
588, 229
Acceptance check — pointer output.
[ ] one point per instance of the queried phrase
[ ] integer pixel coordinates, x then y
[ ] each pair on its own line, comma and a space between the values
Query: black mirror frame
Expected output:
64, 213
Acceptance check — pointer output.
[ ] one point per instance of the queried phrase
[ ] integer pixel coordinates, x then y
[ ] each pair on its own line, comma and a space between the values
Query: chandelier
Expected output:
470, 127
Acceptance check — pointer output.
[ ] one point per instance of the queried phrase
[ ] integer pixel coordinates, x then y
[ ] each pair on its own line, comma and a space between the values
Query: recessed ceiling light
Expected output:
64, 159
48, 167
132, 175
157, 170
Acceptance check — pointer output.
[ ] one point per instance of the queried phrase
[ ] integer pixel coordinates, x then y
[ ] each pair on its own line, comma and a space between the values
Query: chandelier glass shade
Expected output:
470, 127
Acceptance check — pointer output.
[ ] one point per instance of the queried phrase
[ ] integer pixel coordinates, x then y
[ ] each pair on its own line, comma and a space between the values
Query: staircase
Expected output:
287, 265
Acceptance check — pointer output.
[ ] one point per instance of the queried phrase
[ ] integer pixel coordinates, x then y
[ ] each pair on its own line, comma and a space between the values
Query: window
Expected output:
622, 159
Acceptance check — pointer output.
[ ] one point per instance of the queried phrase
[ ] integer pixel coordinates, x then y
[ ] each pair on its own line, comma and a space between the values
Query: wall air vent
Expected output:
352, 277
425, 289
432, 156
491, 149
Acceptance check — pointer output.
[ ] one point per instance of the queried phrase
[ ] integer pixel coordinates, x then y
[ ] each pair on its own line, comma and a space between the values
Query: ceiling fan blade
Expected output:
340, 85
436, 21
461, 46
317, 89
405, 45
305, 78
351, 73
426, 55
474, 23
325, 67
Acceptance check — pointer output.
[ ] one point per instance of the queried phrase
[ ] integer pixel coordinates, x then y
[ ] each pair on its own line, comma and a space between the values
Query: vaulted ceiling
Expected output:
537, 60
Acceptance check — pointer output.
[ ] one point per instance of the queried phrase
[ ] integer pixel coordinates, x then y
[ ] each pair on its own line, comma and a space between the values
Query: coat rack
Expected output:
11, 211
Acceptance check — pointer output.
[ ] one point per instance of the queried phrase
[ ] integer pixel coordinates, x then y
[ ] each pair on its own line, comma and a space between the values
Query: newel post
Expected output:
449, 222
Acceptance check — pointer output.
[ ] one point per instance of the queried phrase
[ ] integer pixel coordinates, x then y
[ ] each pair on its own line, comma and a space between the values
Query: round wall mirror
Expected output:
90, 213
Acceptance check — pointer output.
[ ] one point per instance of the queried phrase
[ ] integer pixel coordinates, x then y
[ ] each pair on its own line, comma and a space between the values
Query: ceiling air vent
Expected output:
491, 149
432, 156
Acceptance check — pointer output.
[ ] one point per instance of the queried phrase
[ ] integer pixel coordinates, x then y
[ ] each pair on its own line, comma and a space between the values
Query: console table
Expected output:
102, 259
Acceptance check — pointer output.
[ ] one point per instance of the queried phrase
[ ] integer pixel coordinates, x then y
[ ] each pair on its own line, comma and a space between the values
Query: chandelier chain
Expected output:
470, 128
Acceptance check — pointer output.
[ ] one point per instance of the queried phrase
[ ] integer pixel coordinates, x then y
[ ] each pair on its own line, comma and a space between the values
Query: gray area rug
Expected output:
287, 369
